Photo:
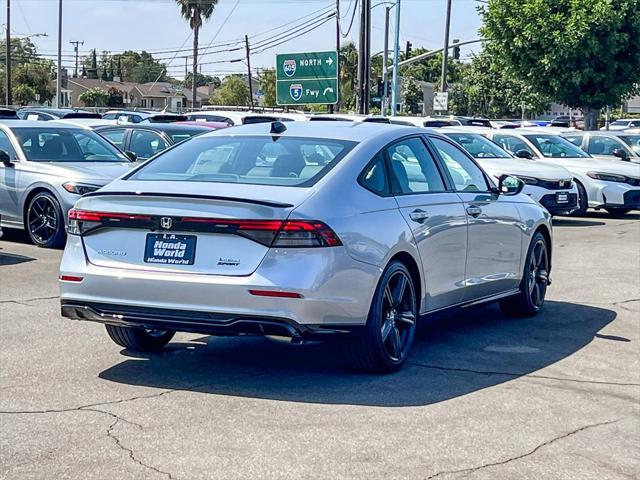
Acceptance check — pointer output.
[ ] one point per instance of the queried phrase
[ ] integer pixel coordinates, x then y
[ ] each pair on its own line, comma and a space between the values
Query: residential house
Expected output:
77, 86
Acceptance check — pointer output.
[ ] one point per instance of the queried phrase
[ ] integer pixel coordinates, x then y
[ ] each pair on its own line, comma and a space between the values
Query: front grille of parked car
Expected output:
555, 184
549, 201
632, 199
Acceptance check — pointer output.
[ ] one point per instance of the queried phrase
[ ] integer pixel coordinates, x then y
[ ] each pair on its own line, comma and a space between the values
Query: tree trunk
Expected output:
194, 83
591, 118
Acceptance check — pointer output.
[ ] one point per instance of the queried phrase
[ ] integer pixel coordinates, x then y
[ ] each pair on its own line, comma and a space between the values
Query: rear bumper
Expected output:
335, 289
206, 323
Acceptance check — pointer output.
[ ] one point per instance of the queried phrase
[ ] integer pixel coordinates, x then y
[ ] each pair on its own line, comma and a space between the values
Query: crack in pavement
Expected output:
23, 301
129, 451
523, 455
523, 374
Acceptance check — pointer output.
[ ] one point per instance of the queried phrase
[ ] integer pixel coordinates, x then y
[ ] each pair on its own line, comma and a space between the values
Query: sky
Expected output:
156, 26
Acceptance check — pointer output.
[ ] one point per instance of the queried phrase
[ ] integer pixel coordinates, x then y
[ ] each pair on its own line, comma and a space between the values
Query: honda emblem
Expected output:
166, 222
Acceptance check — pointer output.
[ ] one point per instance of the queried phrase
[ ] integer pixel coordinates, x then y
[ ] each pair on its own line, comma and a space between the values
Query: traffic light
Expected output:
380, 88
407, 51
456, 50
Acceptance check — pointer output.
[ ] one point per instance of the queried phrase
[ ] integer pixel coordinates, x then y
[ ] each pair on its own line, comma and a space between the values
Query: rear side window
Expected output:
575, 139
413, 169
260, 160
374, 178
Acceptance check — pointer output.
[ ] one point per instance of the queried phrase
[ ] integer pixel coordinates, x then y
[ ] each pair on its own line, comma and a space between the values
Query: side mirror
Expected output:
621, 154
131, 155
5, 159
524, 154
509, 185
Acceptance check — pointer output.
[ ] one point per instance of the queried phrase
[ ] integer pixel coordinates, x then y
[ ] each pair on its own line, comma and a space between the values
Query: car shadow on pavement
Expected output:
455, 356
13, 259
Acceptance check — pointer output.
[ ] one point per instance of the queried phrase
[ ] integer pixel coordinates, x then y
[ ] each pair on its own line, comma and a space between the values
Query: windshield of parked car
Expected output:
633, 141
478, 146
554, 146
184, 134
66, 145
619, 123
261, 160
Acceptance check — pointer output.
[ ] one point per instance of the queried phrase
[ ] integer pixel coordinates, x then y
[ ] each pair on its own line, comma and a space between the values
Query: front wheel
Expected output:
583, 201
617, 211
533, 287
44, 222
391, 324
139, 339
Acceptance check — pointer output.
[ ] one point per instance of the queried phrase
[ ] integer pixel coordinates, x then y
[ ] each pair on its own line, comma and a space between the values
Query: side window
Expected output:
374, 177
512, 144
5, 144
413, 168
466, 175
635, 124
603, 145
115, 136
575, 139
146, 144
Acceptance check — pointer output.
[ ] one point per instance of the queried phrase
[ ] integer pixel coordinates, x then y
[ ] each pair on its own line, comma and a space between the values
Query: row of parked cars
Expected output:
47, 163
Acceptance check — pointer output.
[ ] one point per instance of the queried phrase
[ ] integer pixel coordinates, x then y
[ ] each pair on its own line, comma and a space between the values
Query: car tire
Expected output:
44, 221
388, 336
535, 280
139, 339
617, 211
583, 201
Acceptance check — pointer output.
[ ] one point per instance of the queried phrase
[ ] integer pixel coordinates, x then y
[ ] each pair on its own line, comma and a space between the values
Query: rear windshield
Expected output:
554, 146
478, 146
181, 135
260, 160
66, 145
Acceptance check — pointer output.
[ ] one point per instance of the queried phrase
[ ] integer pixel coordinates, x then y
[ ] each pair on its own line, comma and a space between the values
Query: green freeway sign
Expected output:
304, 78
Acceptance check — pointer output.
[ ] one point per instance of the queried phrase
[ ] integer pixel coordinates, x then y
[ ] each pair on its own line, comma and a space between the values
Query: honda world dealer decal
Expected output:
295, 91
289, 67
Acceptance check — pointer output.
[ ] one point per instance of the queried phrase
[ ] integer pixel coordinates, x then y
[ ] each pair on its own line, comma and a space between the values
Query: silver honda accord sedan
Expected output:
44, 169
305, 231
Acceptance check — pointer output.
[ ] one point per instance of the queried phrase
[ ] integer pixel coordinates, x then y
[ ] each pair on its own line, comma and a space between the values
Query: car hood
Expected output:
525, 168
594, 164
97, 173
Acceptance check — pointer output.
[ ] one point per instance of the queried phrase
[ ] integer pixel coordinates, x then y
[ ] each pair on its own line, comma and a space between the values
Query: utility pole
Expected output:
331, 107
59, 79
8, 56
75, 49
385, 75
364, 57
396, 60
445, 52
246, 42
186, 66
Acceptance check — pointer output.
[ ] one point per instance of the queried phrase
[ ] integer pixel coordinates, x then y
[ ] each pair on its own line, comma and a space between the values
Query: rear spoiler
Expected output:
266, 203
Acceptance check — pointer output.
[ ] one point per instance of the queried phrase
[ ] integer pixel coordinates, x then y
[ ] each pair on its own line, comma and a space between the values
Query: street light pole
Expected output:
445, 52
385, 58
396, 53
59, 79
8, 55
246, 43
76, 44
331, 107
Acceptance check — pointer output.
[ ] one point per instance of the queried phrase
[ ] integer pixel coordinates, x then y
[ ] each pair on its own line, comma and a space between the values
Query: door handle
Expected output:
474, 211
419, 215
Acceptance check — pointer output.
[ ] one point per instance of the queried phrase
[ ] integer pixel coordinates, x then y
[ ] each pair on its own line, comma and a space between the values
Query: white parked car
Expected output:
623, 124
231, 117
551, 185
610, 184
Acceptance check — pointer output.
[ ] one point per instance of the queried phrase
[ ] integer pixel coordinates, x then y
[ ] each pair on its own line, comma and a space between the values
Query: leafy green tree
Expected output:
233, 92
131, 66
202, 80
267, 80
24, 94
94, 97
116, 98
583, 53
196, 12
31, 75
348, 76
413, 96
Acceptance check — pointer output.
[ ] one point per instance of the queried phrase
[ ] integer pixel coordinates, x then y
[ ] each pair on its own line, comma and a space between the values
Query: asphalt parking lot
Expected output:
483, 396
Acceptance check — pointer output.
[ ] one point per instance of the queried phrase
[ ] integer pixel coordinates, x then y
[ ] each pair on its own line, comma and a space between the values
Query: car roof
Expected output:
161, 127
349, 131
42, 124
55, 111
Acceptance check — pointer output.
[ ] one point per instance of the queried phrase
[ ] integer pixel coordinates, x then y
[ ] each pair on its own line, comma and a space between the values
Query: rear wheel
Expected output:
533, 287
617, 211
44, 222
139, 339
391, 325
583, 201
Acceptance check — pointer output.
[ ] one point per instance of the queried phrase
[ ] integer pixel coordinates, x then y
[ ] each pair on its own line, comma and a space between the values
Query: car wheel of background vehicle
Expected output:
583, 201
139, 339
44, 222
391, 324
617, 211
535, 279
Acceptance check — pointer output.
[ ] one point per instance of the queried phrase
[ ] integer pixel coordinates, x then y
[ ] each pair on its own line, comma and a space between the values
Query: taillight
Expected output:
81, 221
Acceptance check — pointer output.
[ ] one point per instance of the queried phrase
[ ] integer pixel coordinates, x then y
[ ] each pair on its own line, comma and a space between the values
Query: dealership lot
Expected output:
483, 396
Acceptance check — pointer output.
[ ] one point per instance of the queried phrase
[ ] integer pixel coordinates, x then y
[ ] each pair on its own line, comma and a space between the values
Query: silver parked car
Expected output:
610, 184
304, 231
45, 167
614, 145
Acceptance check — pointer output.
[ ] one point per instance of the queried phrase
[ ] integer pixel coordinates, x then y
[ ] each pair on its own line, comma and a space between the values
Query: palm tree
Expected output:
196, 12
